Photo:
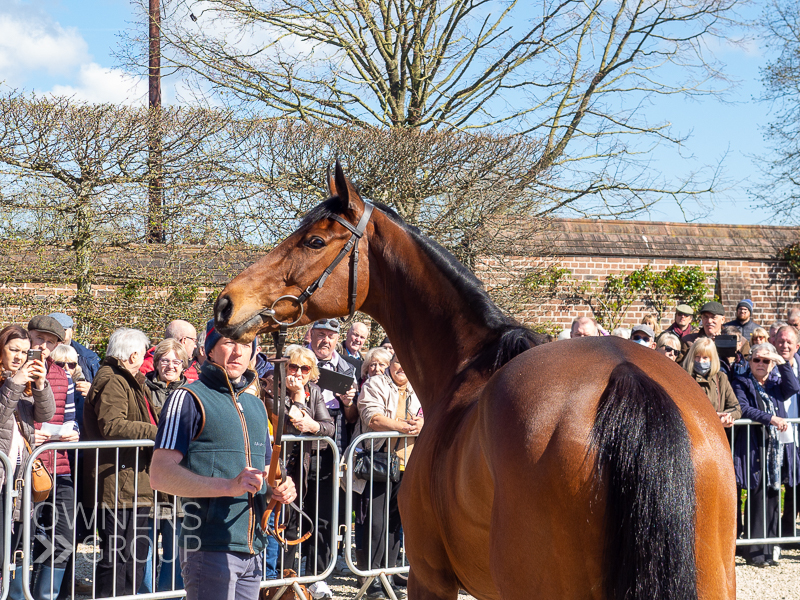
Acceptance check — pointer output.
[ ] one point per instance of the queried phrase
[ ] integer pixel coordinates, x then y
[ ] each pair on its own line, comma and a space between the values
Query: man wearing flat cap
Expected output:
54, 528
682, 323
87, 359
712, 316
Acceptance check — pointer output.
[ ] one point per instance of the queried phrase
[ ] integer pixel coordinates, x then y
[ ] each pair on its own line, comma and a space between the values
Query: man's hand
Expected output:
83, 387
285, 492
347, 398
248, 481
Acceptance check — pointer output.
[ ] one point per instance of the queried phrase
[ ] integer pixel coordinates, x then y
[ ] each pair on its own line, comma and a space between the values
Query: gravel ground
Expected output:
781, 582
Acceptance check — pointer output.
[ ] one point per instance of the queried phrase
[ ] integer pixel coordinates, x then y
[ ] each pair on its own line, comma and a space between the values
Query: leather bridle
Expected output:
276, 467
356, 233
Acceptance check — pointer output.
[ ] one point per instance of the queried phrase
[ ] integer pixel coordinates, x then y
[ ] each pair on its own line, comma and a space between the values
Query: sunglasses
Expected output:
758, 361
331, 322
292, 368
636, 338
61, 364
668, 350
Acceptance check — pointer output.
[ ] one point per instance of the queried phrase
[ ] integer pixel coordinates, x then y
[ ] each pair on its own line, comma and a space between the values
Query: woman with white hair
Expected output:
117, 408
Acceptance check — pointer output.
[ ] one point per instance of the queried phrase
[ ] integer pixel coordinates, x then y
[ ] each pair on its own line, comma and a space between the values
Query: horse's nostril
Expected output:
224, 309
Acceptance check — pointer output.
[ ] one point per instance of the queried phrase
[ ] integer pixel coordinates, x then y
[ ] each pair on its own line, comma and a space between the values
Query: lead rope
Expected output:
276, 466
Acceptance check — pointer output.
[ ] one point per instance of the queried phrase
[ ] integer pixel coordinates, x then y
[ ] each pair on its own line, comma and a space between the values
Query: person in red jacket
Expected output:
54, 528
186, 334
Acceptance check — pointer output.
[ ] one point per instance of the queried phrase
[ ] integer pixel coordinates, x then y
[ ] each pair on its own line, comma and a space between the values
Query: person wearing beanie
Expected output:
744, 318
213, 449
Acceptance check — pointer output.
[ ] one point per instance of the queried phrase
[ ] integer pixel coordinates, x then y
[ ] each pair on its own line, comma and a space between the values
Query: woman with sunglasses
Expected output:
761, 395
305, 413
668, 344
702, 363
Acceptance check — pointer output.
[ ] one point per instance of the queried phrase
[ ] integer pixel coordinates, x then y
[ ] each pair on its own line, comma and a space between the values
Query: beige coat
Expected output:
380, 396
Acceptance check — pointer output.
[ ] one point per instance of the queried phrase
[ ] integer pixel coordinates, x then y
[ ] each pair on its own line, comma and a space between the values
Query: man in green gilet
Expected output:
212, 449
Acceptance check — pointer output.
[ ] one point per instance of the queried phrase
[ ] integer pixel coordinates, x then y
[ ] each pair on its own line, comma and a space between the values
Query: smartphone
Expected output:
34, 355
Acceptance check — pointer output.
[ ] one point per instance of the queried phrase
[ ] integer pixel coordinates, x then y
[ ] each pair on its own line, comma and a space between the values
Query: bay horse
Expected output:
587, 468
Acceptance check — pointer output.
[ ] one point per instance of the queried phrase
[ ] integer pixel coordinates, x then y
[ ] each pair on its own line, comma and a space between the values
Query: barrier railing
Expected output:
755, 527
9, 495
64, 512
374, 488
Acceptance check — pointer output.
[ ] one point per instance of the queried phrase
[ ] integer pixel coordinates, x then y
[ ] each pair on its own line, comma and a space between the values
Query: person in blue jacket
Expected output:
762, 397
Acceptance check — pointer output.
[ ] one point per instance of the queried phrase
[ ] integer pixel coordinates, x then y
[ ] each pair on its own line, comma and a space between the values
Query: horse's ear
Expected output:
329, 182
344, 189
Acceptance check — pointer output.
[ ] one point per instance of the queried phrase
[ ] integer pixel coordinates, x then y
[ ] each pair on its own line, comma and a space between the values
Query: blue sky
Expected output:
66, 46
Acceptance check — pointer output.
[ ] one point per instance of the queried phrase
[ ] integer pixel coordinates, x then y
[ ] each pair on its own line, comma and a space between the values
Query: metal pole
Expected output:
155, 225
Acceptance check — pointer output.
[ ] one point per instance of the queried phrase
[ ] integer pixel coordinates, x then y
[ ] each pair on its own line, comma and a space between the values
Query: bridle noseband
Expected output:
352, 245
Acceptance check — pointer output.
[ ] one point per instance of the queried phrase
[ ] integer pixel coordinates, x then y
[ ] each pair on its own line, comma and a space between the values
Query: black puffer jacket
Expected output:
32, 406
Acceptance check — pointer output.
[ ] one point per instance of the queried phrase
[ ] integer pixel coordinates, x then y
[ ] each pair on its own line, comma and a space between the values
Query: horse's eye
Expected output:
315, 243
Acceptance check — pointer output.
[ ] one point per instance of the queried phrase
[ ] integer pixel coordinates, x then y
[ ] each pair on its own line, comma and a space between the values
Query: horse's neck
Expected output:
433, 330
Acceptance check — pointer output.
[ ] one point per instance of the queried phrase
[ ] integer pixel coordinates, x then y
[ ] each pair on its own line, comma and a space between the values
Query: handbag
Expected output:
41, 479
377, 468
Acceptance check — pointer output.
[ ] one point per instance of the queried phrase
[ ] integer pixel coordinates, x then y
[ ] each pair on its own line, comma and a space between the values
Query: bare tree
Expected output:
75, 175
779, 192
574, 75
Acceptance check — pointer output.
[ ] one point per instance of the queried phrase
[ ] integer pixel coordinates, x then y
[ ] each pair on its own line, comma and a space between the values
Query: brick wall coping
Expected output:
655, 239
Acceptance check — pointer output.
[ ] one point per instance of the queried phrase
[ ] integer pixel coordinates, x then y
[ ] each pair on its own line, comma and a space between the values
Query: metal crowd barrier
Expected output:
9, 494
371, 572
788, 497
85, 513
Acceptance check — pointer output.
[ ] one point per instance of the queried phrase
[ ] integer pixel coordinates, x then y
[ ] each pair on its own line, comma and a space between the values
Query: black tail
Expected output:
644, 462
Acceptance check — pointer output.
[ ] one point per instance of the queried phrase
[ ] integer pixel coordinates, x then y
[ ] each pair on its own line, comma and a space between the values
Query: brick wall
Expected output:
740, 262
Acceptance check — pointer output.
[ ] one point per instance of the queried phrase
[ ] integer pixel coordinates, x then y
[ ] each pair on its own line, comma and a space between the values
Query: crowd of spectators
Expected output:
175, 393
747, 372
63, 392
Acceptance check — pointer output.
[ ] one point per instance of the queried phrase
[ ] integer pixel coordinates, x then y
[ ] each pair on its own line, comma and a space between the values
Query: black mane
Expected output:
512, 338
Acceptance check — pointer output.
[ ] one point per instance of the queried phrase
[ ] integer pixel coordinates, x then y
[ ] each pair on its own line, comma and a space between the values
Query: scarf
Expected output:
774, 447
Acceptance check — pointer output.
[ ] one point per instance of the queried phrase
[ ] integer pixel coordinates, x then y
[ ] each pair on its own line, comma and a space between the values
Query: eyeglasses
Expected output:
186, 337
758, 361
671, 351
292, 368
331, 322
61, 364
165, 362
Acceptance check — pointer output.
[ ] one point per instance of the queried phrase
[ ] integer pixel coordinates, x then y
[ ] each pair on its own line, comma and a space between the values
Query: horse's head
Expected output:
281, 280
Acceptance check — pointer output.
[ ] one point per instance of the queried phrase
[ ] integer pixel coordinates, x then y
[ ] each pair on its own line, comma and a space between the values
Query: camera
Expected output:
34, 355
726, 345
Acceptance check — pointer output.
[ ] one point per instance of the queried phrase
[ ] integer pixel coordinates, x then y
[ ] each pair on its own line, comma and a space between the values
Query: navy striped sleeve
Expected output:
180, 422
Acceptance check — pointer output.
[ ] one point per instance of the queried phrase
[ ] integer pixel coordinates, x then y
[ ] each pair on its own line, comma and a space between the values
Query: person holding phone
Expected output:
54, 525
26, 398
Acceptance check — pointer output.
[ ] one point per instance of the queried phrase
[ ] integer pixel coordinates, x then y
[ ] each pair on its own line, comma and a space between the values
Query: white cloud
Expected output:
98, 84
31, 41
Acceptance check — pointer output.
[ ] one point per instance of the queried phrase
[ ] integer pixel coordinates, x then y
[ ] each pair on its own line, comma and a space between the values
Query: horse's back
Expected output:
548, 533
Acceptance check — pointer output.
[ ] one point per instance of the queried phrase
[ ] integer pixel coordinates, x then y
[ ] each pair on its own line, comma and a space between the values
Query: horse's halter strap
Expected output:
352, 244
